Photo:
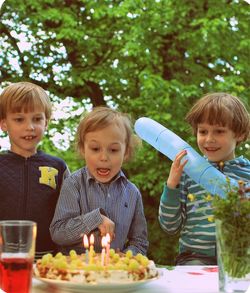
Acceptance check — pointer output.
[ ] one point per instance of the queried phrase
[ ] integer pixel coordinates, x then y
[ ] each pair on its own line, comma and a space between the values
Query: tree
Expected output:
148, 58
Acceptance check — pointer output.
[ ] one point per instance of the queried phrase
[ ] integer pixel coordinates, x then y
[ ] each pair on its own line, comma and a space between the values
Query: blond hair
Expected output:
221, 109
101, 117
24, 96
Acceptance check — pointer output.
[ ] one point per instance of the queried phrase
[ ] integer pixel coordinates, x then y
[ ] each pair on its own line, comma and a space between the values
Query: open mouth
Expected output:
103, 171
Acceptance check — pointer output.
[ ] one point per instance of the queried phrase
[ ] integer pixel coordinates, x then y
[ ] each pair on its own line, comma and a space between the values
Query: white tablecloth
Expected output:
181, 279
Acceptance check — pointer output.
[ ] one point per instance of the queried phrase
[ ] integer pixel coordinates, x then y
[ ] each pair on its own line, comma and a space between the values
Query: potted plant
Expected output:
232, 218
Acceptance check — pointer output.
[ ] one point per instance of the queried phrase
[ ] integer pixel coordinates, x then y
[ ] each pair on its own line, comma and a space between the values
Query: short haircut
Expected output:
24, 96
221, 109
101, 117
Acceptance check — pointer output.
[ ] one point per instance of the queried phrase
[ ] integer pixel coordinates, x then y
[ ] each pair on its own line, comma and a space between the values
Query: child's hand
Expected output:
107, 226
176, 170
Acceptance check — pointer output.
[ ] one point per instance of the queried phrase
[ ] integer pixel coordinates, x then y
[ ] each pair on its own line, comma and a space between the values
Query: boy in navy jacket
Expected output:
30, 180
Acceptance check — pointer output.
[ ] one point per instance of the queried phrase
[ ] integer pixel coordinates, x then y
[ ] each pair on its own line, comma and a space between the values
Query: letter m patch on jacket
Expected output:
48, 176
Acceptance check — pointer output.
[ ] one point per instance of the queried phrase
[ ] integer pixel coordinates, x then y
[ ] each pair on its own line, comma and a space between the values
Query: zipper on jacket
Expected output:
26, 187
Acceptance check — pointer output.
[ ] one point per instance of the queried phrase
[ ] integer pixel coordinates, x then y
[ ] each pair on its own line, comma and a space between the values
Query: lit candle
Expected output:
107, 248
86, 246
104, 244
91, 250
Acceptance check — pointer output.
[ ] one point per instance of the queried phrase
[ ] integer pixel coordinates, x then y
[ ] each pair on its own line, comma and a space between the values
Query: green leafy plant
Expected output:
232, 216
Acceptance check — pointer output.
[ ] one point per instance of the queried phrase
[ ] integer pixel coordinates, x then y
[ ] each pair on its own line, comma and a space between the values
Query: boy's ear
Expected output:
3, 125
240, 138
82, 153
46, 124
126, 155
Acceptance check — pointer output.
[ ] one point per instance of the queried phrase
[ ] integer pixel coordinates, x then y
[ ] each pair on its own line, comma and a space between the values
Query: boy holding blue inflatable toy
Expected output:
220, 122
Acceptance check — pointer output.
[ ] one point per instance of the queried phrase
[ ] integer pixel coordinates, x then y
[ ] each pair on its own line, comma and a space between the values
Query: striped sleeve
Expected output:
171, 210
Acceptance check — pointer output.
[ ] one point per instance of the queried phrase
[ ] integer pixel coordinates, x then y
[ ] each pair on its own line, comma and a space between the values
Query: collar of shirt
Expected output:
17, 156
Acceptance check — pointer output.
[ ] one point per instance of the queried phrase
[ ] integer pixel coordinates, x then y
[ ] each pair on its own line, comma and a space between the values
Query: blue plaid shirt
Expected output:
79, 209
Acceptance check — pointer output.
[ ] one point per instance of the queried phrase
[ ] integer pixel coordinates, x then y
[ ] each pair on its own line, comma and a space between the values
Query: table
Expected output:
180, 279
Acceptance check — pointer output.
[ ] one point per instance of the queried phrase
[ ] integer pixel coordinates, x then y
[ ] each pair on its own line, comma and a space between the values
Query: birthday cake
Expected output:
119, 268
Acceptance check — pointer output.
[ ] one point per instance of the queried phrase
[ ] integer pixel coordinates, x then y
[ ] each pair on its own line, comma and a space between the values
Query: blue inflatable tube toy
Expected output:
170, 144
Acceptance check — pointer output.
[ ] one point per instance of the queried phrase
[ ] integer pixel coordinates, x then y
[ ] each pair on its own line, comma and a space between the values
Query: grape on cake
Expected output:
120, 268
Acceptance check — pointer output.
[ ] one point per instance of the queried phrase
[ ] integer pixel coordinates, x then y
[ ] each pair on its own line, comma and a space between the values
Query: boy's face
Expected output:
104, 152
216, 142
25, 131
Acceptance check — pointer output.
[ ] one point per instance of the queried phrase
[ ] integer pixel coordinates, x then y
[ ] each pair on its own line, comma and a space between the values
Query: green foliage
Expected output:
147, 58
233, 228
234, 210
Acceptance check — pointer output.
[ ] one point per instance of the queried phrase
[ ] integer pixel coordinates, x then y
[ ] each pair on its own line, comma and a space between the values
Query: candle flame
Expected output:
85, 241
108, 238
92, 239
104, 241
